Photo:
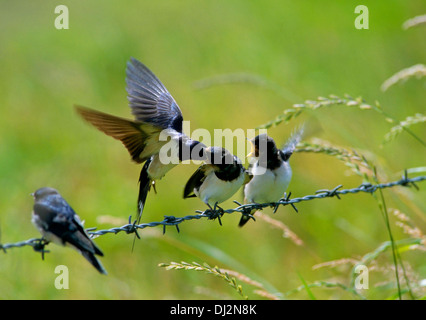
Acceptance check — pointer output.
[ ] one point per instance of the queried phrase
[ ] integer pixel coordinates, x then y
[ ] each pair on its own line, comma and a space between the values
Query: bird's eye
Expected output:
202, 153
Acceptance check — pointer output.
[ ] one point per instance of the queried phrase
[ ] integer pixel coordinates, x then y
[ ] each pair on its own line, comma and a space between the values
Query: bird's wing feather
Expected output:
134, 135
291, 144
60, 219
196, 180
149, 99
83, 238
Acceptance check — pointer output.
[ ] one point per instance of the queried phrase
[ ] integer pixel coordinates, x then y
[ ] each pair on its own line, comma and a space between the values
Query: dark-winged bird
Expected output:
58, 223
218, 179
271, 172
155, 136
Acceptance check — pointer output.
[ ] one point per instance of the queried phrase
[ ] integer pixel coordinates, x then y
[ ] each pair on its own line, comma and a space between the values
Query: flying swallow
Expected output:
58, 223
271, 172
158, 118
218, 179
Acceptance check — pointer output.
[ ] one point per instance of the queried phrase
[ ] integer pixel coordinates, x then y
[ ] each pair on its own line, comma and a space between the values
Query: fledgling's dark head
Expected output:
43, 192
218, 156
198, 150
262, 145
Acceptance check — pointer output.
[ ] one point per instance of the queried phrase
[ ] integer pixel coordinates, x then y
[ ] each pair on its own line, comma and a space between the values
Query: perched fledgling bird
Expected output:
218, 179
157, 117
58, 223
271, 171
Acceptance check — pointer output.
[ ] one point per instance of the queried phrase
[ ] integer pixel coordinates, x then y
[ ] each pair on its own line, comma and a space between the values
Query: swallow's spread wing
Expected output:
149, 99
291, 144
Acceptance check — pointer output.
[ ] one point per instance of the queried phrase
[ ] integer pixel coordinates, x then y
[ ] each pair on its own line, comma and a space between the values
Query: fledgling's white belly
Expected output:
215, 190
268, 186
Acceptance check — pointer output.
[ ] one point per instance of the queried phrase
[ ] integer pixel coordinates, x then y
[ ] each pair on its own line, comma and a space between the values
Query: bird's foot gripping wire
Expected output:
214, 213
39, 245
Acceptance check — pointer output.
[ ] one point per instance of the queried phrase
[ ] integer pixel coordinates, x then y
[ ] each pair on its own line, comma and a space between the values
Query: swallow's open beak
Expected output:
253, 150
32, 194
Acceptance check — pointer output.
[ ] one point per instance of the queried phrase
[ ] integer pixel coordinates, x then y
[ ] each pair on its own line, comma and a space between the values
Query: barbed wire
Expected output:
39, 244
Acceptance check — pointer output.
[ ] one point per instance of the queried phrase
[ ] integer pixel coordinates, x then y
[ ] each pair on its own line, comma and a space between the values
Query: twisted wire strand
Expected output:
39, 244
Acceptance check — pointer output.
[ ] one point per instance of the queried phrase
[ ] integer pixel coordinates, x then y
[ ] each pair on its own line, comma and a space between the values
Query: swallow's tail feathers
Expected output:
291, 144
145, 183
245, 218
94, 261
97, 250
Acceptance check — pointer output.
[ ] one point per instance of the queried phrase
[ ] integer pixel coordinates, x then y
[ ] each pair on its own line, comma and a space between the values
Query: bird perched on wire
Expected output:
271, 172
58, 223
218, 179
157, 119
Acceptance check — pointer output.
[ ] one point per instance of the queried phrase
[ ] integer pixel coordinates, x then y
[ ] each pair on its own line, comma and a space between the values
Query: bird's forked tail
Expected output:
144, 187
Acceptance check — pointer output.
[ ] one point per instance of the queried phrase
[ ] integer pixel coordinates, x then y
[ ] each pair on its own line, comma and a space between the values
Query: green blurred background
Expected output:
308, 48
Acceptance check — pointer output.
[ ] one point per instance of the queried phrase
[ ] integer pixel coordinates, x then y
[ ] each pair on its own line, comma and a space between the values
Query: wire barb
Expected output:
171, 220
287, 199
330, 193
406, 182
214, 213
131, 228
